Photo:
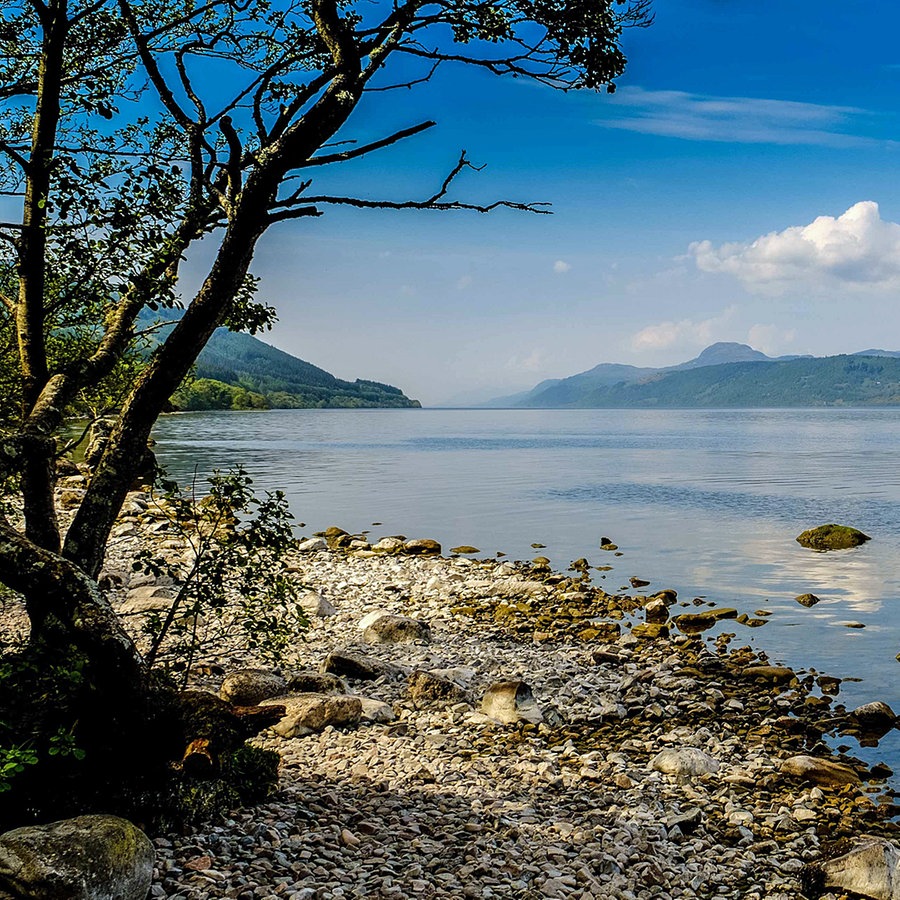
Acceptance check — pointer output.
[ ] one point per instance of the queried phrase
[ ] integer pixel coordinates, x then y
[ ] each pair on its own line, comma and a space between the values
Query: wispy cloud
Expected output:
734, 120
534, 361
685, 333
858, 249
561, 267
770, 338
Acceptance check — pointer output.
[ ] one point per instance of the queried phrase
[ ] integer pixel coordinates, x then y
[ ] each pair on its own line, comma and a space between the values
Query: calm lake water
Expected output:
705, 502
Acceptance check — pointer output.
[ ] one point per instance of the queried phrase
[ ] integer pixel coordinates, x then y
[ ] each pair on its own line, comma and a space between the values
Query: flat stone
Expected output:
686, 761
774, 674
819, 771
422, 547
870, 868
309, 713
650, 630
312, 545
358, 665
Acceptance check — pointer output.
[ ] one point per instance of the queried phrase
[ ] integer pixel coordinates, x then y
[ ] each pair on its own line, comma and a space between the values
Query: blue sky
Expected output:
688, 208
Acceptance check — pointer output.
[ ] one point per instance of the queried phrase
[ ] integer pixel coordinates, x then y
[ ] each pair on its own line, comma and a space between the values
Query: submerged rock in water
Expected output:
832, 537
807, 600
875, 716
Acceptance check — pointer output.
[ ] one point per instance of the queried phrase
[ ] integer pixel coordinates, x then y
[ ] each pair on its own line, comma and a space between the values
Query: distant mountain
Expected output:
722, 353
238, 371
892, 353
730, 375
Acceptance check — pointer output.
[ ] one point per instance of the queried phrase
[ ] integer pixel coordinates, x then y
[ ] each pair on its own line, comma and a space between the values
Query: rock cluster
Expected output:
458, 728
522, 742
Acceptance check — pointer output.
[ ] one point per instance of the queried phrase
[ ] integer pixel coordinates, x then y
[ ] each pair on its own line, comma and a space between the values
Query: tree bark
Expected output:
67, 608
41, 524
85, 543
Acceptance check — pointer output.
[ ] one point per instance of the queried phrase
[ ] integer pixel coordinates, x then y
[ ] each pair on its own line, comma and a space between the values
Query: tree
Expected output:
131, 130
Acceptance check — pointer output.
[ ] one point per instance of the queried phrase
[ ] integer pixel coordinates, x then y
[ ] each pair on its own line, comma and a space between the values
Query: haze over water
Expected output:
705, 502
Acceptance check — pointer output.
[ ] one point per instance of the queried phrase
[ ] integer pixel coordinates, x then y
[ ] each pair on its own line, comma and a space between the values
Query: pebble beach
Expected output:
468, 728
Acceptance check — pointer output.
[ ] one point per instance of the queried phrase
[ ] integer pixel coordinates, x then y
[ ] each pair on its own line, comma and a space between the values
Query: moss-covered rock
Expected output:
86, 858
832, 537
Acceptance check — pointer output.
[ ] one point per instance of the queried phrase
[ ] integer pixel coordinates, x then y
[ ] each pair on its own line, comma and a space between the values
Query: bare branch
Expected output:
408, 85
298, 212
152, 66
436, 201
367, 148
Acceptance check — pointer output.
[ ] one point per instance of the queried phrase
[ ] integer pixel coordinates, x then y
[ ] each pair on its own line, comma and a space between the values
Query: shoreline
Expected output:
645, 763
437, 800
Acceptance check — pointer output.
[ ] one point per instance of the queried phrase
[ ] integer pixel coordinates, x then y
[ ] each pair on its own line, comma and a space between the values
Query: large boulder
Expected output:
869, 867
819, 771
426, 688
397, 630
422, 547
350, 664
510, 702
247, 687
86, 858
306, 681
314, 604
876, 716
309, 713
832, 537
687, 762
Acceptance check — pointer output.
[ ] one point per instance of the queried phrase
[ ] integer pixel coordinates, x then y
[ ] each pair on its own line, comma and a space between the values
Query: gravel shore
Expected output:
628, 759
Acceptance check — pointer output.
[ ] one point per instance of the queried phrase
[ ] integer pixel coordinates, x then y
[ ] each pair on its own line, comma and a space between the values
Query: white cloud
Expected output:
770, 338
684, 333
464, 282
561, 267
857, 249
734, 120
535, 361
